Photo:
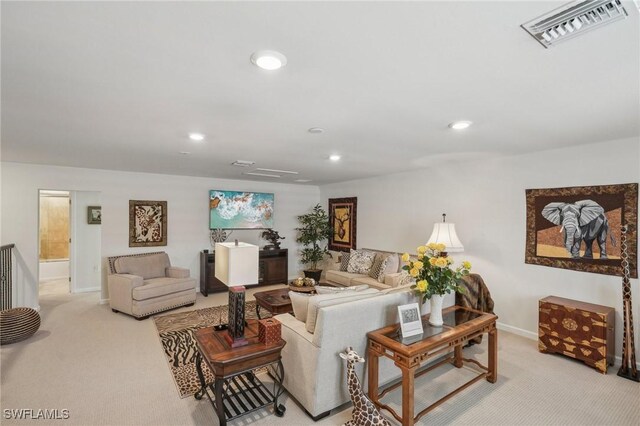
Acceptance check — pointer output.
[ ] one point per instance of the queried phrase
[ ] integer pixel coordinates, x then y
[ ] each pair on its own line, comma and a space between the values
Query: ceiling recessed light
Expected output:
268, 59
302, 180
334, 157
460, 125
316, 130
196, 137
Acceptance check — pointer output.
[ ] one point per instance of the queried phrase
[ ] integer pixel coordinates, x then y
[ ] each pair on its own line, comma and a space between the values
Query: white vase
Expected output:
435, 318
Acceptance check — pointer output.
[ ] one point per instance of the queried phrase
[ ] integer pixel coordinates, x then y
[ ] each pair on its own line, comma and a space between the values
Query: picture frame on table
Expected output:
410, 320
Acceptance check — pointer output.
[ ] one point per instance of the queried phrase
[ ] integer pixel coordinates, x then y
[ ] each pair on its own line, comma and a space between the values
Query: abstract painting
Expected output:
579, 228
240, 210
147, 223
343, 219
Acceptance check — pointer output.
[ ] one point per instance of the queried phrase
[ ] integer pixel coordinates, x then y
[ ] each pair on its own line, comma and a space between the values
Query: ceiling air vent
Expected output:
574, 19
243, 163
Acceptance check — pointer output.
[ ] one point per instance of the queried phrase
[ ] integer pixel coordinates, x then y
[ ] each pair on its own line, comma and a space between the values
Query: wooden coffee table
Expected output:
275, 301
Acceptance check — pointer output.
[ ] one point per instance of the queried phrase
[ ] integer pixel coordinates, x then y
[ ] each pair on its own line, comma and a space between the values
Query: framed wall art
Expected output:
343, 220
147, 223
94, 215
579, 228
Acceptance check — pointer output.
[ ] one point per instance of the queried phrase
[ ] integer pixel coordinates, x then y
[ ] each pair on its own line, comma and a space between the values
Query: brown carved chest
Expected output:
579, 330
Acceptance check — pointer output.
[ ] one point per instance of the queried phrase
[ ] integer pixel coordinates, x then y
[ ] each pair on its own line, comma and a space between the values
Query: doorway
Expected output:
69, 242
54, 235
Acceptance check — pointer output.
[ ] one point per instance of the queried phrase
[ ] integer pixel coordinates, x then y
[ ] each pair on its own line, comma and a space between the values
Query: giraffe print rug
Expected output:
176, 332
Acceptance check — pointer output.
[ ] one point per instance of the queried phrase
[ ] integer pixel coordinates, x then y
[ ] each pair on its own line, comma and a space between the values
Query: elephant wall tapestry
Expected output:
579, 228
342, 216
147, 223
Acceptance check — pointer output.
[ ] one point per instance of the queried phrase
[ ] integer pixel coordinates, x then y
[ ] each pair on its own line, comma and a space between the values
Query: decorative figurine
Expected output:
273, 237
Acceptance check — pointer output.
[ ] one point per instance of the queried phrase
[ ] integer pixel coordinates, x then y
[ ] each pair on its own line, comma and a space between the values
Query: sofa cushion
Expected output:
344, 261
321, 289
155, 287
399, 289
342, 278
148, 266
391, 265
318, 301
360, 261
371, 282
300, 304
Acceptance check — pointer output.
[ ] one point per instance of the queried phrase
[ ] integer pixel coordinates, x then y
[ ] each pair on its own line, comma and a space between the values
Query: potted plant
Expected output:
313, 234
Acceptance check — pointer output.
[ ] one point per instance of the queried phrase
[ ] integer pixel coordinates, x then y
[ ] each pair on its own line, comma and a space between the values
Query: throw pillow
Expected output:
300, 304
322, 300
376, 266
344, 261
360, 261
406, 279
384, 268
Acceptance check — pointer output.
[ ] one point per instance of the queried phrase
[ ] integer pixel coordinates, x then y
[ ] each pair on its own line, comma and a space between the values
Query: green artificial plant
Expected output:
313, 234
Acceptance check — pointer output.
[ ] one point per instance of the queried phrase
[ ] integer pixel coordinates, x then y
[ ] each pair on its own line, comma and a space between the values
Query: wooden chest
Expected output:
580, 330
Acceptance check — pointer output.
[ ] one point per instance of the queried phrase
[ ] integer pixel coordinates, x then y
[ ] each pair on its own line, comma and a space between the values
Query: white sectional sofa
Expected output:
314, 373
335, 276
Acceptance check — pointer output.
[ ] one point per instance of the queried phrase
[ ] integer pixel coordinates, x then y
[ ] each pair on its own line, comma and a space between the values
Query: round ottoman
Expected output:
18, 324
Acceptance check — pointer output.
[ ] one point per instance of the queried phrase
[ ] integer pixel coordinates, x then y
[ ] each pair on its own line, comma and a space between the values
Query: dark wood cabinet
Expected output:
579, 330
273, 269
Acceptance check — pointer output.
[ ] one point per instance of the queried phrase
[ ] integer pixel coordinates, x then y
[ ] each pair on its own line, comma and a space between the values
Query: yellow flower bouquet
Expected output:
433, 272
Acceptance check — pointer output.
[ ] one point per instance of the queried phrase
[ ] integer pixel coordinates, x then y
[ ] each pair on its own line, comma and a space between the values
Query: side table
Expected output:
460, 325
236, 390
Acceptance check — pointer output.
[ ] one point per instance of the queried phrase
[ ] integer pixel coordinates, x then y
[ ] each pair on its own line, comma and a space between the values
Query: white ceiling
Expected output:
120, 85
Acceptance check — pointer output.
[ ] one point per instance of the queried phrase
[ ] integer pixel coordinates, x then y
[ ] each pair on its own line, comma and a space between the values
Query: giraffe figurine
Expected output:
365, 412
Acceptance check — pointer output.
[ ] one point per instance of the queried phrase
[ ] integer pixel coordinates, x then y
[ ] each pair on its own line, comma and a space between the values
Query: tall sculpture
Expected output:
628, 369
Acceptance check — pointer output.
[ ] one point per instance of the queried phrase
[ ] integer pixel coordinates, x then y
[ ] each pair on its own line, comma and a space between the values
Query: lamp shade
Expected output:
236, 265
445, 233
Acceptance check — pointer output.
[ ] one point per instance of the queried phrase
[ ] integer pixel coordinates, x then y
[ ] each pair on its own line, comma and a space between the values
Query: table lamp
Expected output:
445, 233
236, 265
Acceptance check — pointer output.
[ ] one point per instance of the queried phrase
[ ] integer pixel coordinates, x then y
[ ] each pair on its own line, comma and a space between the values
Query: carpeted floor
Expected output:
176, 333
109, 369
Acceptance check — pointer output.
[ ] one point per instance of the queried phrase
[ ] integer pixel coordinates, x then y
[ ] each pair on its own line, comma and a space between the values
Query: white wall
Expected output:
85, 247
486, 201
54, 270
188, 221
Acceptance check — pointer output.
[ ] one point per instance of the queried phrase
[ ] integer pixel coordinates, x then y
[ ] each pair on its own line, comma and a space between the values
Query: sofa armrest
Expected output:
175, 272
121, 291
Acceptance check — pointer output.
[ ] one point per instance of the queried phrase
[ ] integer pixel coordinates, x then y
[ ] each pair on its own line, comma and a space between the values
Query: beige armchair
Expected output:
144, 284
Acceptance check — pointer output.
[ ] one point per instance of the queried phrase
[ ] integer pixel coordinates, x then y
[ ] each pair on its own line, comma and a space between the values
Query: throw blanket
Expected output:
476, 296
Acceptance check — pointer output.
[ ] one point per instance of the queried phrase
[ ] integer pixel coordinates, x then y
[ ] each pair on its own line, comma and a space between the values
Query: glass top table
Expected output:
442, 344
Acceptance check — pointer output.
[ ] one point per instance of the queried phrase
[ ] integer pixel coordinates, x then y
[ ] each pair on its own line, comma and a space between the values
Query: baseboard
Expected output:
533, 336
103, 302
87, 290
46, 280
519, 331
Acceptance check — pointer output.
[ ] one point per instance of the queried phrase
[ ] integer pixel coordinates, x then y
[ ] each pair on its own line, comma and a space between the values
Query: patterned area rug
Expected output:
176, 333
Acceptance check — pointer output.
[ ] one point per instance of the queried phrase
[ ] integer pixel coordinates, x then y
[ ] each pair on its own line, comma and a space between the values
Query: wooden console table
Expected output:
273, 267
460, 325
236, 390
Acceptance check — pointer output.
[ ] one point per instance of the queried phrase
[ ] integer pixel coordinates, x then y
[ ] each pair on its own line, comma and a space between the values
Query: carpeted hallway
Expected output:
109, 369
